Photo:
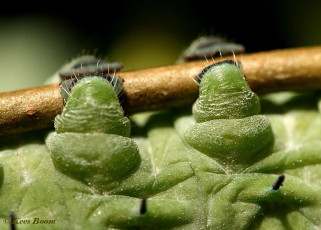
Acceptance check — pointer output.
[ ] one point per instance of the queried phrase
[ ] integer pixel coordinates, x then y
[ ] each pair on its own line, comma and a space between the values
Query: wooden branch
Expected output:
168, 86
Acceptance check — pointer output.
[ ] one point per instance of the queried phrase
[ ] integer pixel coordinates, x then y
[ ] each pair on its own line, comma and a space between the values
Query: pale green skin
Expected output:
224, 94
98, 151
93, 107
188, 185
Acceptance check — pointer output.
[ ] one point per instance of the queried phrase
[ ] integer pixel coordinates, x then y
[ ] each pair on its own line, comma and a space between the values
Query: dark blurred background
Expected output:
35, 43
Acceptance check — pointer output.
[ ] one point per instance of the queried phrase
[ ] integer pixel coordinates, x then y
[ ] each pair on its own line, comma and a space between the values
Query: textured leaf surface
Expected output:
185, 187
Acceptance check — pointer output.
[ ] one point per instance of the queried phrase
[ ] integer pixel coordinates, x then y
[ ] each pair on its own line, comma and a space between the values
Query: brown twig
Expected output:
168, 86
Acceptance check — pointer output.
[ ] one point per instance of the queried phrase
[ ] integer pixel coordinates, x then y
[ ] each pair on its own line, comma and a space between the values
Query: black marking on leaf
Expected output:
200, 76
278, 183
11, 223
143, 206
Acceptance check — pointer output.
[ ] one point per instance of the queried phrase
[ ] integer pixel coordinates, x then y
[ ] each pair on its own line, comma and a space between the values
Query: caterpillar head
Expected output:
88, 65
93, 107
224, 94
209, 47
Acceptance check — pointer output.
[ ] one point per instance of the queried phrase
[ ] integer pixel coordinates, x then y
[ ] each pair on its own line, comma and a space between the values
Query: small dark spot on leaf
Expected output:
278, 183
143, 207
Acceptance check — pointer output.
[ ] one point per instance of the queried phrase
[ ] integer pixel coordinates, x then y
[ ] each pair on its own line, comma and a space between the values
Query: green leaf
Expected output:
215, 173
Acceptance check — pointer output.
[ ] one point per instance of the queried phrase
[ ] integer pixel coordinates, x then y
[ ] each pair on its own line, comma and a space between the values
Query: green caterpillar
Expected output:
91, 141
91, 144
212, 170
228, 127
